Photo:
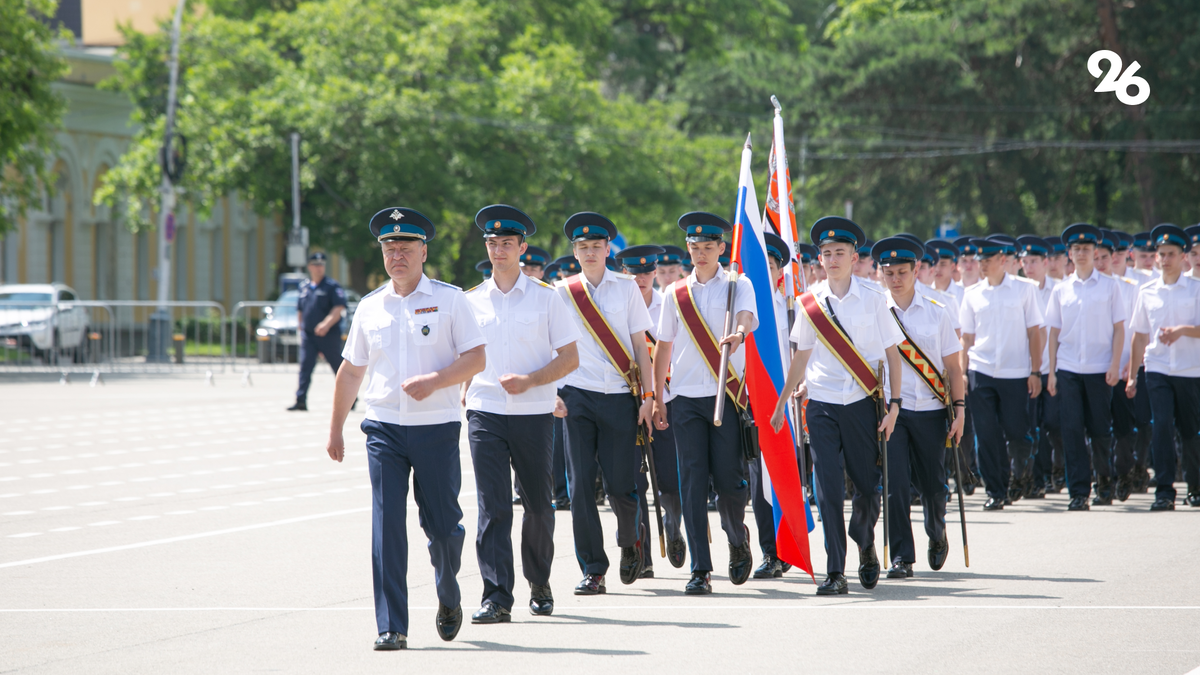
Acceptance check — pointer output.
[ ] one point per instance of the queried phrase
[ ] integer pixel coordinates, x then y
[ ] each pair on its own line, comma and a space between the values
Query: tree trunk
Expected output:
358, 275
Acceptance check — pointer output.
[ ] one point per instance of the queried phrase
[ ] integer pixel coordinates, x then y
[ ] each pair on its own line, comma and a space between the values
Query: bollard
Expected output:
180, 343
94, 347
266, 354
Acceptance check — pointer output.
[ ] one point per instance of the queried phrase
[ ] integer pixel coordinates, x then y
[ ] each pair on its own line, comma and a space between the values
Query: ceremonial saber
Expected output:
958, 480
734, 264
881, 412
644, 439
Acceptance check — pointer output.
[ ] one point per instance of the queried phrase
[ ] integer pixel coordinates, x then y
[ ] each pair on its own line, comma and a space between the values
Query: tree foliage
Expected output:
30, 111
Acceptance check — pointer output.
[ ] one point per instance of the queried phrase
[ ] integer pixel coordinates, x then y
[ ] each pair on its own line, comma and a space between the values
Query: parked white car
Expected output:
42, 319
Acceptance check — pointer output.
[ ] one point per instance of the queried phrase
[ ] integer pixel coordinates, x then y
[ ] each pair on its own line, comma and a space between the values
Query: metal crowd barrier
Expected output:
264, 335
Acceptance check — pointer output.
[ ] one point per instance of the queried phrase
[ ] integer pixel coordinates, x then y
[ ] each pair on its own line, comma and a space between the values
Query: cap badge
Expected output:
829, 233
585, 229
698, 229
893, 254
496, 225
643, 261
396, 215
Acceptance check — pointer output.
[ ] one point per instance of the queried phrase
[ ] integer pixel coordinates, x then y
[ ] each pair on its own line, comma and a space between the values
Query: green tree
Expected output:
30, 111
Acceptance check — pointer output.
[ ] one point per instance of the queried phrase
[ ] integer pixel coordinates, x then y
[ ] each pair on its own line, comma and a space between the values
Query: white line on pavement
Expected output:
186, 537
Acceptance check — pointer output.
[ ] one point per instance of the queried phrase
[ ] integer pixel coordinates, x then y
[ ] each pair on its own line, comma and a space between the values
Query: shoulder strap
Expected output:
598, 327
915, 358
705, 343
836, 340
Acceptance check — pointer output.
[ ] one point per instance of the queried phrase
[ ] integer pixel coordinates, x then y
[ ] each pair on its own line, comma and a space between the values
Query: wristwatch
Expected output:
898, 401
648, 394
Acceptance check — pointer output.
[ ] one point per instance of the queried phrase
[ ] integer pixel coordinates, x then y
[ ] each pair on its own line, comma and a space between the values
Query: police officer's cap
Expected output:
398, 222
499, 220
567, 265
1081, 233
671, 255
1193, 234
1108, 240
1027, 244
612, 264
1143, 242
945, 249
640, 259
777, 248
317, 258
1124, 240
534, 255
897, 249
1056, 245
836, 228
704, 226
807, 253
965, 247
1009, 242
1166, 233
589, 225
986, 248
485, 267
550, 273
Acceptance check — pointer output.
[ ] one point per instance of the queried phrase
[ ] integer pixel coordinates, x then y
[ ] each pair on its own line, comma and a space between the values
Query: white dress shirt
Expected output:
1043, 297
690, 373
999, 316
1141, 276
864, 316
947, 299
656, 307
620, 301
524, 328
1160, 305
1086, 313
1129, 292
781, 328
929, 327
398, 338
957, 291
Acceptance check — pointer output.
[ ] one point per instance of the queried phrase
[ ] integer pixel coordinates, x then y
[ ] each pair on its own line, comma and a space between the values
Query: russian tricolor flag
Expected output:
765, 376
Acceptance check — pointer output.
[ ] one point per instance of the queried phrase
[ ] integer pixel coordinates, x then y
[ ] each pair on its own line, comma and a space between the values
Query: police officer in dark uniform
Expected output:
320, 308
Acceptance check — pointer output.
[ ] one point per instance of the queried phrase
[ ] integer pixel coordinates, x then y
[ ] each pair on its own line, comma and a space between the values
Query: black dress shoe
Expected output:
390, 641
677, 552
699, 584
938, 551
647, 573
1078, 504
1193, 499
592, 584
741, 562
969, 488
303, 405
1102, 500
899, 570
916, 499
834, 584
491, 612
769, 569
562, 504
993, 504
541, 600
1124, 488
632, 563
868, 567
1163, 504
516, 499
448, 621
1038, 492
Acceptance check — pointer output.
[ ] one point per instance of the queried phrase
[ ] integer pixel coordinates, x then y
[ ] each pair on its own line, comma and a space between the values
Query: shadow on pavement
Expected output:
604, 621
497, 647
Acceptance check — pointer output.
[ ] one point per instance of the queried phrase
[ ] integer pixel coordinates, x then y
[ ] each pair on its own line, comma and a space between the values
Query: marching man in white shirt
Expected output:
603, 412
845, 330
414, 340
510, 405
1166, 334
1086, 318
1001, 330
931, 380
693, 316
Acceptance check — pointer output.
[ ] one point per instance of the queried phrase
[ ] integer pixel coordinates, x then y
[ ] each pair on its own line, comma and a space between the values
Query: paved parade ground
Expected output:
161, 525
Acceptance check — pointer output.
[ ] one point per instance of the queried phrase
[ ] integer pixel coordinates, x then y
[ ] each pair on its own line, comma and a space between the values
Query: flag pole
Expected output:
734, 265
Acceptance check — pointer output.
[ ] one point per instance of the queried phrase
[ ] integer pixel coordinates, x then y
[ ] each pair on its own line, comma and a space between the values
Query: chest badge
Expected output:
424, 330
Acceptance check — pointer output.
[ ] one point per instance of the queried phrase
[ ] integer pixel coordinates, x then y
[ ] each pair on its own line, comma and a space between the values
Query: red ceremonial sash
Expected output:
598, 326
914, 357
837, 342
705, 343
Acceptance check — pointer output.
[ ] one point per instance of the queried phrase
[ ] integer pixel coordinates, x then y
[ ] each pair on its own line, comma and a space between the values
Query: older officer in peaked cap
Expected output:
319, 308
510, 406
417, 340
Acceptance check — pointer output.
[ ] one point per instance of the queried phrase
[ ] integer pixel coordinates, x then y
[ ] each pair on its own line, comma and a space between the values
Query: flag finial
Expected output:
775, 102
748, 144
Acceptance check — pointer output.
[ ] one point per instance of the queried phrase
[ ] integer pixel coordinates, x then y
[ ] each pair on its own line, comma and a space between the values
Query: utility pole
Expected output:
297, 250
159, 337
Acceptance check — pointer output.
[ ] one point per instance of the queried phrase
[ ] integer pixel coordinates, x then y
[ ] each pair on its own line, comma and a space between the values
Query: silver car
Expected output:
42, 320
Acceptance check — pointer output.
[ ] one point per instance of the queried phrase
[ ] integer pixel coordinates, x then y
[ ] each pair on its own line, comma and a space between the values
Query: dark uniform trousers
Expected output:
1125, 429
843, 439
524, 442
968, 446
559, 462
1141, 419
1048, 448
708, 451
1001, 416
601, 432
666, 462
917, 448
329, 344
431, 452
1175, 402
1085, 409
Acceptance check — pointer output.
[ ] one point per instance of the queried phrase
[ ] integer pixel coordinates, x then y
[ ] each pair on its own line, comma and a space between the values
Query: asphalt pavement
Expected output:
163, 525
